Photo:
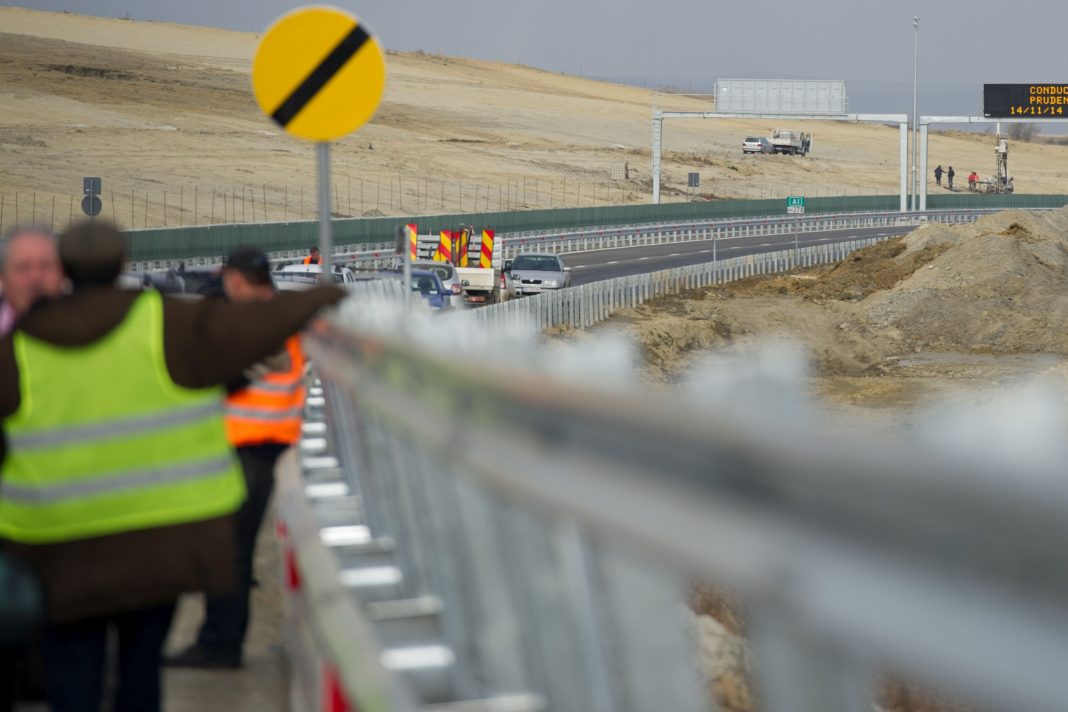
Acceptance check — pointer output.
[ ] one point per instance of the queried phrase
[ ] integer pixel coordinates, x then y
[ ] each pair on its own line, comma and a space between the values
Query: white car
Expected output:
296, 277
757, 144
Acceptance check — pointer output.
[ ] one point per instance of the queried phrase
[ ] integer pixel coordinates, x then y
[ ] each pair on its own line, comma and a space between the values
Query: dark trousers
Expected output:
9, 658
76, 656
226, 617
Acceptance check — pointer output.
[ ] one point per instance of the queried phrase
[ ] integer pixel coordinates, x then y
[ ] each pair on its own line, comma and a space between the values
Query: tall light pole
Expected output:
915, 116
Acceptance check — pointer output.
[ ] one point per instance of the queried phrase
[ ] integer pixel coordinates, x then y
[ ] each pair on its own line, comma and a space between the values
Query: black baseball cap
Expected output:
252, 263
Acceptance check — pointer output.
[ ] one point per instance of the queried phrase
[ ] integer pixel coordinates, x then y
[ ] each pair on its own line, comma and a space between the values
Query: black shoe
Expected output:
198, 656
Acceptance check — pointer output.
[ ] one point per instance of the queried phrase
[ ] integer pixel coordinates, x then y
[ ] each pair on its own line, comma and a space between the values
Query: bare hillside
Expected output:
164, 113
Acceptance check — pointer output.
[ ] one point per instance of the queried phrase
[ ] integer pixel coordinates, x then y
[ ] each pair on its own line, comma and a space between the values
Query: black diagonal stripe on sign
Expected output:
321, 75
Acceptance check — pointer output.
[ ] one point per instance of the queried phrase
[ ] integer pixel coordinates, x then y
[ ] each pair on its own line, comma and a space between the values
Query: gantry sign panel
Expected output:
1007, 101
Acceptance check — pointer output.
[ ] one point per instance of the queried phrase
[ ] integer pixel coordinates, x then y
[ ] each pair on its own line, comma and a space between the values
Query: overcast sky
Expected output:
968, 41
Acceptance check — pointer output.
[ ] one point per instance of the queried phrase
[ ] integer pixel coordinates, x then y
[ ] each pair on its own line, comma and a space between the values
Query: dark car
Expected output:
430, 287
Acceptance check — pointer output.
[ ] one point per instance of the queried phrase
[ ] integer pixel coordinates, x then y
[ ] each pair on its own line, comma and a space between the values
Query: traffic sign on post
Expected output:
319, 73
91, 205
795, 205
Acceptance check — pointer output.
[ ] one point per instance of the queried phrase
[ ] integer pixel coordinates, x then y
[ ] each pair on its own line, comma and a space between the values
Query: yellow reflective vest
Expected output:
104, 441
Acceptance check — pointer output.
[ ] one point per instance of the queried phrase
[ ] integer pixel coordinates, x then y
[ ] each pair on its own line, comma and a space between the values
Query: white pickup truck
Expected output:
794, 143
481, 285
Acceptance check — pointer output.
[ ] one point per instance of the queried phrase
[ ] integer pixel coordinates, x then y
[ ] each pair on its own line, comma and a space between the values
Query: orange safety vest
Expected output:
309, 260
271, 408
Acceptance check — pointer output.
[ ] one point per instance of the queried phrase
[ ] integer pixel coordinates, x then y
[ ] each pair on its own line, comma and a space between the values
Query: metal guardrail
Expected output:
587, 304
638, 235
501, 539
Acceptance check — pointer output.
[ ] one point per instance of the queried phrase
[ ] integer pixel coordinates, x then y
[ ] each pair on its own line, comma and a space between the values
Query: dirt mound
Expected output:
1000, 287
672, 332
997, 286
881, 266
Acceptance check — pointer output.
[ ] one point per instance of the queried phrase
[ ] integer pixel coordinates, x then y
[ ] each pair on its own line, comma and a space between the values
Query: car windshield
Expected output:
443, 271
751, 140
530, 263
425, 285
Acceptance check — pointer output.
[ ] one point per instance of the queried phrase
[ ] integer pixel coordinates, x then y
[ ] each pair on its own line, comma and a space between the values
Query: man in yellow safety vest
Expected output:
117, 482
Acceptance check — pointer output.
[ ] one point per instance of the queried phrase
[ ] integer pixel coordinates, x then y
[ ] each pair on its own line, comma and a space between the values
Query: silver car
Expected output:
757, 144
445, 271
535, 273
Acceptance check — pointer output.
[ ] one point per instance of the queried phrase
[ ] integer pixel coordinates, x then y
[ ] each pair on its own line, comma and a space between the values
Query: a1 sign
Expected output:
795, 205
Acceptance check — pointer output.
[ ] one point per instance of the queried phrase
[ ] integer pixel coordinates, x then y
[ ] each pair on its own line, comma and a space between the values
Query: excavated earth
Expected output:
943, 313
941, 310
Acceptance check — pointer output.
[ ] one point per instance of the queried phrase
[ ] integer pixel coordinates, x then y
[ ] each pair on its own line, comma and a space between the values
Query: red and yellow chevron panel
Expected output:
486, 258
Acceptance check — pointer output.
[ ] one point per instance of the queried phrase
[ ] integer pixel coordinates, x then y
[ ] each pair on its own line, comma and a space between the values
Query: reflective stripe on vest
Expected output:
270, 409
111, 482
105, 442
115, 428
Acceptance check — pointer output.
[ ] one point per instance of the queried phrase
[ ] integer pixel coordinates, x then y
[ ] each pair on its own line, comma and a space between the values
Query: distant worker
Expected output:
29, 271
949, 176
263, 419
1008, 185
973, 178
119, 486
314, 258
938, 175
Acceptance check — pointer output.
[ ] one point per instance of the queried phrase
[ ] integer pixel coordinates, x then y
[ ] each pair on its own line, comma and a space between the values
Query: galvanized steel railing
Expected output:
596, 238
494, 538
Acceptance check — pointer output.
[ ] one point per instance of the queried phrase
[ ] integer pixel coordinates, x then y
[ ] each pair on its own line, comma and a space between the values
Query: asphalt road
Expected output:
597, 265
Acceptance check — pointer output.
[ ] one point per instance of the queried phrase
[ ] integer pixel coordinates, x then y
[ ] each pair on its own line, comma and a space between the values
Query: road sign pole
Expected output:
326, 233
797, 253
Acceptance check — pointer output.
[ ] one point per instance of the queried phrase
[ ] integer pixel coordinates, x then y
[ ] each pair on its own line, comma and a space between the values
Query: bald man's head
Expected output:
29, 267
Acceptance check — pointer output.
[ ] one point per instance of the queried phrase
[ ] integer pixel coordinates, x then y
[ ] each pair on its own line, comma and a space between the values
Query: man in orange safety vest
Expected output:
263, 419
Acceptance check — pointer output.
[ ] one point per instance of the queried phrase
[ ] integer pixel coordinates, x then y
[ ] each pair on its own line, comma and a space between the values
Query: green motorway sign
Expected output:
795, 201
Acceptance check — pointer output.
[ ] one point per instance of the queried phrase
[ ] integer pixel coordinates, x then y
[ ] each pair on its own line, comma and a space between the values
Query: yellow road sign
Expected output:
319, 73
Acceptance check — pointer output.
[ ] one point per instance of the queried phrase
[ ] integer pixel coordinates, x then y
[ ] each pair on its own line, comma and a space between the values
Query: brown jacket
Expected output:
206, 343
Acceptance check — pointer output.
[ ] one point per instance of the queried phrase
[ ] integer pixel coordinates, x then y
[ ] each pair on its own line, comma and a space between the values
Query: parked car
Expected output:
445, 272
205, 281
429, 285
757, 144
534, 273
296, 277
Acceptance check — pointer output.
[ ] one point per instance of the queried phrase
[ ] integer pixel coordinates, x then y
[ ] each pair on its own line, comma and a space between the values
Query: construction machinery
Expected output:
1001, 181
794, 143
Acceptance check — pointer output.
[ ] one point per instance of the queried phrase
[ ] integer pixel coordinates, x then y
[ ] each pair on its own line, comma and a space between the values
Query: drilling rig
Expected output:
1001, 182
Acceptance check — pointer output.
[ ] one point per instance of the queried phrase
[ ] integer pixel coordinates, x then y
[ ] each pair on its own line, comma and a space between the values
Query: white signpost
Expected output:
795, 205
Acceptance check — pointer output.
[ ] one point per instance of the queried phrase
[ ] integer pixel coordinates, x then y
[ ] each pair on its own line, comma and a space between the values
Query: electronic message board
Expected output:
1006, 101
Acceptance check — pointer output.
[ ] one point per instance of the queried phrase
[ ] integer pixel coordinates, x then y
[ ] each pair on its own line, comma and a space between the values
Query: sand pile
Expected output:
997, 286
